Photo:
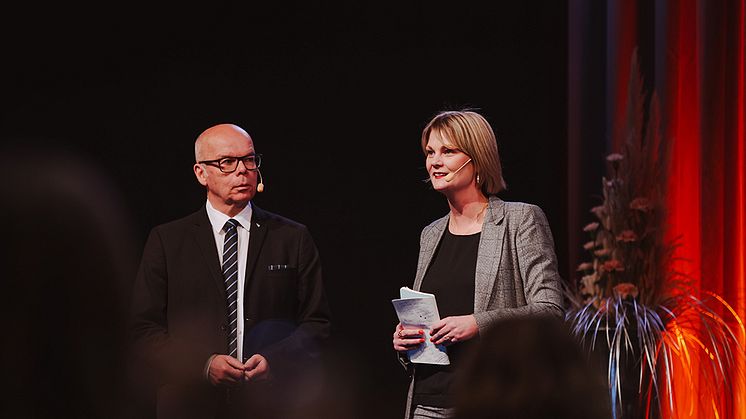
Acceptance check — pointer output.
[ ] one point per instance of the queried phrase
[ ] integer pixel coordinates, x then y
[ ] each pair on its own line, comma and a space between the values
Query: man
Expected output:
228, 300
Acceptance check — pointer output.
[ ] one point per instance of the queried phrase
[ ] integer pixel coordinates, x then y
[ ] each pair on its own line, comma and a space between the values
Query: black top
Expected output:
451, 278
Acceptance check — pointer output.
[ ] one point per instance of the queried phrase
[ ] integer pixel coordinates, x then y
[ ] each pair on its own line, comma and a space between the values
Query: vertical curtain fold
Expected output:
703, 82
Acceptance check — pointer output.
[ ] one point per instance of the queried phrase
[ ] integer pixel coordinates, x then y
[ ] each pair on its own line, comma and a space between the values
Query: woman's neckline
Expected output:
463, 235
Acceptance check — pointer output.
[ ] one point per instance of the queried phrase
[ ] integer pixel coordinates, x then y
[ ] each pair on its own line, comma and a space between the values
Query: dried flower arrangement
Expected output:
630, 302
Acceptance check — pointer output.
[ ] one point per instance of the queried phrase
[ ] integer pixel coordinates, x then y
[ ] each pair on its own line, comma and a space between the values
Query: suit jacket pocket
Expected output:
279, 291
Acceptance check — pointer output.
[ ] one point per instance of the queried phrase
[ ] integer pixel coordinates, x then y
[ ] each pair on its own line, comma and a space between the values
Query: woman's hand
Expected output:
406, 339
454, 329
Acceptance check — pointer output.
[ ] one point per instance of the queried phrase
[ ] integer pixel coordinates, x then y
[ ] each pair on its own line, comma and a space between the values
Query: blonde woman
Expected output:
485, 260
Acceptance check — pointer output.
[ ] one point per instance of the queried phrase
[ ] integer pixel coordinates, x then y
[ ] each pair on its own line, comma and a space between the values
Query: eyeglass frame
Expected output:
216, 163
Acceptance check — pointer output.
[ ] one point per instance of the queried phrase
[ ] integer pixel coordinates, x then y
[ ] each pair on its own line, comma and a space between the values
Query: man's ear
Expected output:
201, 174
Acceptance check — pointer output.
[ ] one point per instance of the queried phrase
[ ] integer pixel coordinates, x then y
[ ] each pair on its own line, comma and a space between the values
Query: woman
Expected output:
486, 260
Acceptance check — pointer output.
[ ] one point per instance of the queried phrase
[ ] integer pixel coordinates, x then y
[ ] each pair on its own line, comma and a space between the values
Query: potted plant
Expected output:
629, 305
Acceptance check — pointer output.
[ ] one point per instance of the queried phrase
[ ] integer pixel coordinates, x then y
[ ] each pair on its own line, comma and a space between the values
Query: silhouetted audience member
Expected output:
530, 368
67, 254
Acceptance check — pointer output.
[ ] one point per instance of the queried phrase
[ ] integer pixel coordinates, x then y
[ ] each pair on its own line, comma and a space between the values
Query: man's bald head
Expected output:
228, 192
221, 132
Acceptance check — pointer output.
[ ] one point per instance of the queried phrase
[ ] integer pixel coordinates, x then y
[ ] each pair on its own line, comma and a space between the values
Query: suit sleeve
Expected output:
302, 346
537, 266
165, 357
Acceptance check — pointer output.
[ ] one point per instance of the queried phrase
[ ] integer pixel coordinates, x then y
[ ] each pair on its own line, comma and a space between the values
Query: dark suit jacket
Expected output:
180, 314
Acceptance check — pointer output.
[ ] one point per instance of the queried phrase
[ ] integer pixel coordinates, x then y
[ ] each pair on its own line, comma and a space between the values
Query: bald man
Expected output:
228, 301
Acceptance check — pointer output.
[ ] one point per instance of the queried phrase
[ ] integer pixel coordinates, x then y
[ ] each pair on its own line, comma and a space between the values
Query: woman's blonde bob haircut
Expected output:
469, 132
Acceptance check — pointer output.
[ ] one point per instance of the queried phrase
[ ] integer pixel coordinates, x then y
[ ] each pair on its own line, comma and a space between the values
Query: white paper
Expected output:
419, 310
406, 292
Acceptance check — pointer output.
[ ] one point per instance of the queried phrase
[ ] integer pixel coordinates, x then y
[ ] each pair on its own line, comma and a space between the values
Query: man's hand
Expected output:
454, 329
226, 371
256, 368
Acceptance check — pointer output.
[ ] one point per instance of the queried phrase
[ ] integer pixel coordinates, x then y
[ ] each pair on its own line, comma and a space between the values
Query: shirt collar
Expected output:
218, 219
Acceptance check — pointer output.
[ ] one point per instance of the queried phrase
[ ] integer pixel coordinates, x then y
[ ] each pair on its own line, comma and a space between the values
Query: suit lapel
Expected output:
206, 243
429, 243
489, 254
257, 234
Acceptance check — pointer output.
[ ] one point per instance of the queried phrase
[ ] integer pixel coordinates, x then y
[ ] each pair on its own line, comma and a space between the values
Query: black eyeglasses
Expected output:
230, 164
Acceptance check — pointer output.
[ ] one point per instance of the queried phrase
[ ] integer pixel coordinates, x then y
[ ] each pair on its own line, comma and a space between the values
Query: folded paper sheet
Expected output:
419, 310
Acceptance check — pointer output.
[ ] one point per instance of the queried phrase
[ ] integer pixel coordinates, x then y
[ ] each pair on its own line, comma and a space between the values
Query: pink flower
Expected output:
627, 236
591, 227
611, 183
626, 289
641, 204
599, 211
589, 245
612, 265
614, 157
585, 266
602, 252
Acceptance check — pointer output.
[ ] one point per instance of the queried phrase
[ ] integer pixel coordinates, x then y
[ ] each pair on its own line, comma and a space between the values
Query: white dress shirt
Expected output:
218, 220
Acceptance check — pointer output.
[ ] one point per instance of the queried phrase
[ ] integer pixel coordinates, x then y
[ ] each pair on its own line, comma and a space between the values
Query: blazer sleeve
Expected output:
164, 356
537, 267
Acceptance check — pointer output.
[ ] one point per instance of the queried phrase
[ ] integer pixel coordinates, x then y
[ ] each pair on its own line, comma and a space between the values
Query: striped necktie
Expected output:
230, 273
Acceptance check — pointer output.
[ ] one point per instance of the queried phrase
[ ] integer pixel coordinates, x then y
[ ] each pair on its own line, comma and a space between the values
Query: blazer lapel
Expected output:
257, 233
489, 254
427, 249
206, 243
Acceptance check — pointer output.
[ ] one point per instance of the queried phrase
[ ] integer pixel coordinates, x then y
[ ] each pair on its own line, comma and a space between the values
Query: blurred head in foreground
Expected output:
530, 367
65, 264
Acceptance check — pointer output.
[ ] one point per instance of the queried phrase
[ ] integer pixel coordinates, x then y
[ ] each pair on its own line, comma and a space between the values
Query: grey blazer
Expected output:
516, 266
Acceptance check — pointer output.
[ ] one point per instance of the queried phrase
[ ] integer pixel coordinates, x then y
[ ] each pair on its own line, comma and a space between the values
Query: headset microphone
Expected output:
260, 186
449, 177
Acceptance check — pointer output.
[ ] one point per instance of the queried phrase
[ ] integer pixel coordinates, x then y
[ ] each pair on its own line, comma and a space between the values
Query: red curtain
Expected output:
703, 86
692, 54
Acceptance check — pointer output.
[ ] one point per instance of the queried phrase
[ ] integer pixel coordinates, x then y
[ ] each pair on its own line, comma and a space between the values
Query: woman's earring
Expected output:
477, 178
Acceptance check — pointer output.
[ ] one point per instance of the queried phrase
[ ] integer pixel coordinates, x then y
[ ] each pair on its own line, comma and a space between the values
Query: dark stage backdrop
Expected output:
335, 97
